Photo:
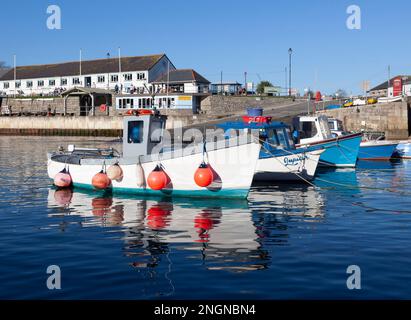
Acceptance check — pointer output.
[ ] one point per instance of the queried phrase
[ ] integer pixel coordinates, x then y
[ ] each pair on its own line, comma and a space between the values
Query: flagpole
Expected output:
119, 70
168, 83
80, 67
14, 63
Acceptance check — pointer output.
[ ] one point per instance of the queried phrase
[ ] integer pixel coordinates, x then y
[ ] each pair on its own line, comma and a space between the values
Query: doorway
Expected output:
87, 82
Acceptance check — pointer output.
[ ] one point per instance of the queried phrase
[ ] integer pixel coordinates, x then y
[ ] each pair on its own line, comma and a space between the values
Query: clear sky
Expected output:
230, 36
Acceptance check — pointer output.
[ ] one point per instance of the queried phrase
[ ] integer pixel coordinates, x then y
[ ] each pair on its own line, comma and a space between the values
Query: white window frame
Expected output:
128, 77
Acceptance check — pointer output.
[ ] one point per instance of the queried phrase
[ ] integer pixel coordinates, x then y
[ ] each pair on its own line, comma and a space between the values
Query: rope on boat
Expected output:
348, 186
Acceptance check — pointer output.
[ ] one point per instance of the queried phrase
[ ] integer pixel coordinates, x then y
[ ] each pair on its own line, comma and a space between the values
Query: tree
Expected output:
261, 85
3, 65
340, 93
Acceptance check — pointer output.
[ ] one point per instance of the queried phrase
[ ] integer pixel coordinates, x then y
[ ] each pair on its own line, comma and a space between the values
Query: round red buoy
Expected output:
101, 180
103, 108
203, 176
157, 179
63, 179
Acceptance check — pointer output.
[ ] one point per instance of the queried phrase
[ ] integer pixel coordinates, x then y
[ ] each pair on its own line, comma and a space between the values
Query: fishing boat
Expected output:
146, 166
404, 150
279, 159
340, 151
390, 99
372, 146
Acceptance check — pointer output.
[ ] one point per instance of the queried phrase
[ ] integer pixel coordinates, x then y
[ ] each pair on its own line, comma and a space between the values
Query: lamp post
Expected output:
290, 51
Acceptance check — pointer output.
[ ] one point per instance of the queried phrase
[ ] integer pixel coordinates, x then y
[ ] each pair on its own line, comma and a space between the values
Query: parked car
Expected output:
359, 102
372, 100
348, 103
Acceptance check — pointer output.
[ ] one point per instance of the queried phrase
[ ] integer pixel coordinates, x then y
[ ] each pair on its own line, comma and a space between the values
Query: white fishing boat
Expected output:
389, 99
404, 150
222, 169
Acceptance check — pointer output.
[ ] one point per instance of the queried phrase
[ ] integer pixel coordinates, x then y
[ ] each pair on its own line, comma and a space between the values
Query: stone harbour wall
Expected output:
392, 118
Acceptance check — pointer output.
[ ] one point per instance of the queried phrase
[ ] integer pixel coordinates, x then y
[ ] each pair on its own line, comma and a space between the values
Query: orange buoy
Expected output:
101, 206
115, 172
101, 180
157, 179
63, 179
203, 176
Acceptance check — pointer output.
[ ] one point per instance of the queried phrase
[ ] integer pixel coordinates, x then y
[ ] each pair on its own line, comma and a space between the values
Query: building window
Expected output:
29, 84
63, 82
6, 85
128, 77
101, 79
18, 84
52, 82
114, 78
40, 83
141, 76
76, 81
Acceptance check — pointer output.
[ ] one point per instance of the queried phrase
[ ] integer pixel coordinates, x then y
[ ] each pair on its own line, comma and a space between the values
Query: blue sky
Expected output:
232, 36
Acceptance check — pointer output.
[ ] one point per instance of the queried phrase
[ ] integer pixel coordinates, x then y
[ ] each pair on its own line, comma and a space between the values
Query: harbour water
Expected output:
288, 241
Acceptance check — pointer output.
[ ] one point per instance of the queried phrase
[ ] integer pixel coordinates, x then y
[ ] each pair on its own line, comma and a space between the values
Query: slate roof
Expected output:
182, 76
383, 86
87, 67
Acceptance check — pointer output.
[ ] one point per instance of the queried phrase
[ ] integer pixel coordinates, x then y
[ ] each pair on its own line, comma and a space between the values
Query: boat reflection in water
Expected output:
221, 231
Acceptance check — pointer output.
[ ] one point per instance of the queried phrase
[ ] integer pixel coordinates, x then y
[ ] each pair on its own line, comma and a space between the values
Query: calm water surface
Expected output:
290, 241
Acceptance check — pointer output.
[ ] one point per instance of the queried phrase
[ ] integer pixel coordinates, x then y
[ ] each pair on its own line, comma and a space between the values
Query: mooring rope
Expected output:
328, 181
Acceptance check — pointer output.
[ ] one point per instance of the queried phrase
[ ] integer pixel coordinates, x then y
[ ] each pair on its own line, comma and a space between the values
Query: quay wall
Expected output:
79, 126
392, 118
221, 105
44, 116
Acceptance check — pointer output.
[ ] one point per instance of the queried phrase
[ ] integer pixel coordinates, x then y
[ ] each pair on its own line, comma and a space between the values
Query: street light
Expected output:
290, 51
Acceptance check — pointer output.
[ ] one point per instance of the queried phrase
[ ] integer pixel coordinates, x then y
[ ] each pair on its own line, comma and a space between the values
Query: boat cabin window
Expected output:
289, 138
308, 129
325, 128
135, 131
156, 132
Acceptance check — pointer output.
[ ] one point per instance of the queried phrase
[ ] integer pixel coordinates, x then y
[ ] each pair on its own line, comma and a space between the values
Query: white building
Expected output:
178, 89
127, 74
399, 85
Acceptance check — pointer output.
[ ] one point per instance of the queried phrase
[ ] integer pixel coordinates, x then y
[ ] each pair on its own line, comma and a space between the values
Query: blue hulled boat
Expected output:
340, 151
371, 148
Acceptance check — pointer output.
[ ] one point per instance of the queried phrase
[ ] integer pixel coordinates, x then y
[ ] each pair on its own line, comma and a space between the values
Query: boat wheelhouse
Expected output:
340, 151
279, 159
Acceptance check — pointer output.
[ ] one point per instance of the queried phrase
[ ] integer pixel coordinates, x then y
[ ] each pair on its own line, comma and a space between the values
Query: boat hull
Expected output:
376, 150
233, 173
340, 151
292, 167
404, 150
